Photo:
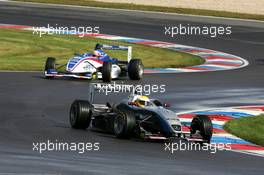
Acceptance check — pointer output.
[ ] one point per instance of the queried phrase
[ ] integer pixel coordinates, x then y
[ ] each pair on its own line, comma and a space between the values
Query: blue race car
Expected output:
97, 65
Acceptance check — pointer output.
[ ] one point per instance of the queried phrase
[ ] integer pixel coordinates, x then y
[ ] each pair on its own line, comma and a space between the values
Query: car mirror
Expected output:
166, 105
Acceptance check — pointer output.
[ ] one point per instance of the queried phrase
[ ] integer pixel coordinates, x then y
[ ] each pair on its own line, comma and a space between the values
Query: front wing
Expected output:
54, 74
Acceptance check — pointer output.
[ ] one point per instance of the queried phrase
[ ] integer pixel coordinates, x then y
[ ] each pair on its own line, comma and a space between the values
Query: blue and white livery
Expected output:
97, 65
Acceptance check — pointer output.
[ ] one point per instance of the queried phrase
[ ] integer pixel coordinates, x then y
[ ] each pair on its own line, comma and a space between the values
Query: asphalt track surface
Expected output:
35, 109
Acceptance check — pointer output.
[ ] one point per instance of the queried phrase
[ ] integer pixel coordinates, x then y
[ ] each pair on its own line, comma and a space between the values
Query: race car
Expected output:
137, 117
93, 66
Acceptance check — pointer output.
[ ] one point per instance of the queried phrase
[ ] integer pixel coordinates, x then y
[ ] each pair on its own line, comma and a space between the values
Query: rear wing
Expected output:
128, 48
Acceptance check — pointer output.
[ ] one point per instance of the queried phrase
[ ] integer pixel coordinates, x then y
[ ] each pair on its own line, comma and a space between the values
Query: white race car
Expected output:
89, 66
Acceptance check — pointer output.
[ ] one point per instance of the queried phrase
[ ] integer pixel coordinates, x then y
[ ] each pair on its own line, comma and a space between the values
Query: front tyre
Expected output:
202, 124
50, 65
135, 69
80, 114
124, 124
106, 72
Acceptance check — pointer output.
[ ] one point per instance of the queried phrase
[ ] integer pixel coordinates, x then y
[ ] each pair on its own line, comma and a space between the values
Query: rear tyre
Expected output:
80, 114
50, 65
135, 69
203, 124
106, 72
124, 124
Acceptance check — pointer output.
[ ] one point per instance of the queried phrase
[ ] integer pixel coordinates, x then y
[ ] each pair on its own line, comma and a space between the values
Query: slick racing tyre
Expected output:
124, 124
106, 72
135, 69
80, 114
202, 124
50, 65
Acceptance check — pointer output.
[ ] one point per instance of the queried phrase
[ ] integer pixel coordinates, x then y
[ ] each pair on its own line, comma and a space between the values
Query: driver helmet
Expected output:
98, 46
98, 50
142, 101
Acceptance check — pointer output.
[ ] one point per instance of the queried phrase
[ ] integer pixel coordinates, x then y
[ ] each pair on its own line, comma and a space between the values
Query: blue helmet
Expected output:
98, 46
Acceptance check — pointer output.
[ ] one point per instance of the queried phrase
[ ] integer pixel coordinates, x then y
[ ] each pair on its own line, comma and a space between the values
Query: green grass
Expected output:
152, 8
248, 128
21, 50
